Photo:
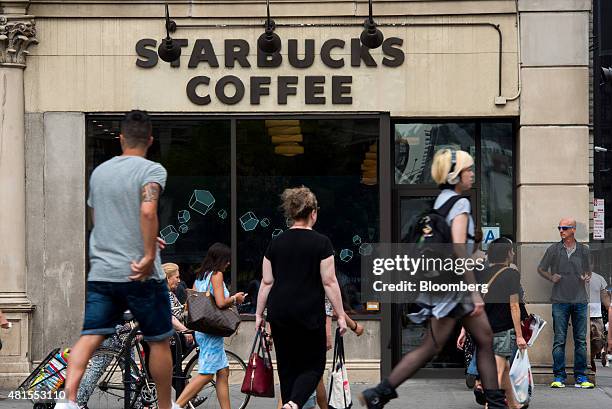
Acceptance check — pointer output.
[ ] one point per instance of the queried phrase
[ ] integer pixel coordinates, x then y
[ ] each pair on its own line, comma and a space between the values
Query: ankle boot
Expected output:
496, 398
377, 397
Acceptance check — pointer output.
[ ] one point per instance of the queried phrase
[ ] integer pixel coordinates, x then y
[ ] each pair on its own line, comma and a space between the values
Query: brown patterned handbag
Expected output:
203, 315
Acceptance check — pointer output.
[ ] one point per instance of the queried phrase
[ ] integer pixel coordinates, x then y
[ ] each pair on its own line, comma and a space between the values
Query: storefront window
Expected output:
194, 208
491, 144
497, 177
337, 159
416, 143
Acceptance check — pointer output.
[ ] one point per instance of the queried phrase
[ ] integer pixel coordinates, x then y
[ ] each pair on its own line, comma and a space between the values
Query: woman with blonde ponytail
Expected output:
453, 171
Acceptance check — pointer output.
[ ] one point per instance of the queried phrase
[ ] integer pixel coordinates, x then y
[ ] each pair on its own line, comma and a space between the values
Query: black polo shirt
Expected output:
571, 288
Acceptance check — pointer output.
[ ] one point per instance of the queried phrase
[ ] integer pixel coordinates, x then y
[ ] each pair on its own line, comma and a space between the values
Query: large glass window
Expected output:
337, 159
416, 143
194, 208
496, 175
491, 144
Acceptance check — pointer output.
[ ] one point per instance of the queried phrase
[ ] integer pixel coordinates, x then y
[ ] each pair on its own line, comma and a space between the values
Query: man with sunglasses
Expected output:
566, 264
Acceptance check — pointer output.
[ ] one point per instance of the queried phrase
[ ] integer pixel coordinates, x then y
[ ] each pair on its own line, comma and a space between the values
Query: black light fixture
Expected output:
606, 76
269, 42
169, 50
371, 36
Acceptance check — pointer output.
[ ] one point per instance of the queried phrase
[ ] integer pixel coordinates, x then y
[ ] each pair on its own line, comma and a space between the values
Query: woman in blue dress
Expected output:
212, 361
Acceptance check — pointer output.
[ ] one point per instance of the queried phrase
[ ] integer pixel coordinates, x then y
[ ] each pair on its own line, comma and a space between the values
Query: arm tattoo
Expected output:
150, 192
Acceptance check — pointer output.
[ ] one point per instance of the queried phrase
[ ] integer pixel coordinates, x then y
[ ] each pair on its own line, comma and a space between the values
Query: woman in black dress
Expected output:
298, 272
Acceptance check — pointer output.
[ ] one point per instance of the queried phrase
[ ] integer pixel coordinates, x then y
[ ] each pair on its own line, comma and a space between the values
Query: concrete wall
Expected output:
55, 174
362, 353
553, 163
279, 8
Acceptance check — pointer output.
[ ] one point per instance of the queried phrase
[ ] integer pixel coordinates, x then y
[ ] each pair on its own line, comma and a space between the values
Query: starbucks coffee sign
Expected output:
300, 54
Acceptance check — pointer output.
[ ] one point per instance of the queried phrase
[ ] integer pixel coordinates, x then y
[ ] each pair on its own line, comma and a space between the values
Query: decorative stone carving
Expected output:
16, 35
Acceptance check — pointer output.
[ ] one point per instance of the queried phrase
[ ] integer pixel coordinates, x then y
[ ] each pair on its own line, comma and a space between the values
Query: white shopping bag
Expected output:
521, 377
339, 386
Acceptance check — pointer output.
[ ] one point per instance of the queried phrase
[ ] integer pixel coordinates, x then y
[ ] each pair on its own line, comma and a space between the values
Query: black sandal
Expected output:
479, 395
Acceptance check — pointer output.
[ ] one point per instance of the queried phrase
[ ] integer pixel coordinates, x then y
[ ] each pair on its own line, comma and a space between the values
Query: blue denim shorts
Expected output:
148, 301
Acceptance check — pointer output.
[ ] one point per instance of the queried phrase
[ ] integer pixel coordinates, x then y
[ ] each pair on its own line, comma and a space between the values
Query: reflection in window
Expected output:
411, 209
415, 145
337, 159
194, 208
497, 177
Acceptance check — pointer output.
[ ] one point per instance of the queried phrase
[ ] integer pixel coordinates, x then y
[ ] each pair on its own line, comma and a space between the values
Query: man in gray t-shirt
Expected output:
566, 265
125, 269
116, 240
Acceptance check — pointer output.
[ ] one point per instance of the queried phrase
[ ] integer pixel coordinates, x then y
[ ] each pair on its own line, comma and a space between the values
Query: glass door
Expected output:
409, 205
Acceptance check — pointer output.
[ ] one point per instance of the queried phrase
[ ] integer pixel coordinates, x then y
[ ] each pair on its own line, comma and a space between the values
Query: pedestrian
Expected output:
320, 397
505, 310
298, 272
465, 341
125, 268
173, 279
453, 172
212, 361
598, 296
182, 339
99, 363
566, 264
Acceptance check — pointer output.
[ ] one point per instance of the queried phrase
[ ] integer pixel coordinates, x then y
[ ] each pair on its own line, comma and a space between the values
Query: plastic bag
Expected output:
339, 387
521, 377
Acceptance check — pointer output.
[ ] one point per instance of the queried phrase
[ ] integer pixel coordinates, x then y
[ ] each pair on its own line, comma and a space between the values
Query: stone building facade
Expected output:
67, 66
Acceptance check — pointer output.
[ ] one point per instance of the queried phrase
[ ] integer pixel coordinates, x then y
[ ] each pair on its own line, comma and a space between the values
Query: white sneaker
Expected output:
175, 406
66, 405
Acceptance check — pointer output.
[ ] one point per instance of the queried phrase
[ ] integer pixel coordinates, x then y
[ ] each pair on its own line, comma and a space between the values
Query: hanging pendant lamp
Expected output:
169, 50
371, 36
269, 42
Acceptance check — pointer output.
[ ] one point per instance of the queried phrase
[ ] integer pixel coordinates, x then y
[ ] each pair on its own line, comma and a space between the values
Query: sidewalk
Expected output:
452, 394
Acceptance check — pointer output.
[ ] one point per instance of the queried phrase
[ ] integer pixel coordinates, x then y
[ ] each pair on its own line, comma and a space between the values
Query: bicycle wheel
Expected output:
207, 398
104, 383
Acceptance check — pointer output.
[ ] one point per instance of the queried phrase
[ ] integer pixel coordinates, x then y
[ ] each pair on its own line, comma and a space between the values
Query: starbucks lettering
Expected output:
232, 89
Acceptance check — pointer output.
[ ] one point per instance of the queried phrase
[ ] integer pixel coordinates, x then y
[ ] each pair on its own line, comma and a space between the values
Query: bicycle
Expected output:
207, 396
126, 376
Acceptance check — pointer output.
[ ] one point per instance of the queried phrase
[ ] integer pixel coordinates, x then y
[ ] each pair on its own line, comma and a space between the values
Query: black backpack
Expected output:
431, 238
431, 227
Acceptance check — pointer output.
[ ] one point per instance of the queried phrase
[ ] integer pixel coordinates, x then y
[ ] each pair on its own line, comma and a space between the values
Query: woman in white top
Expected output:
453, 172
